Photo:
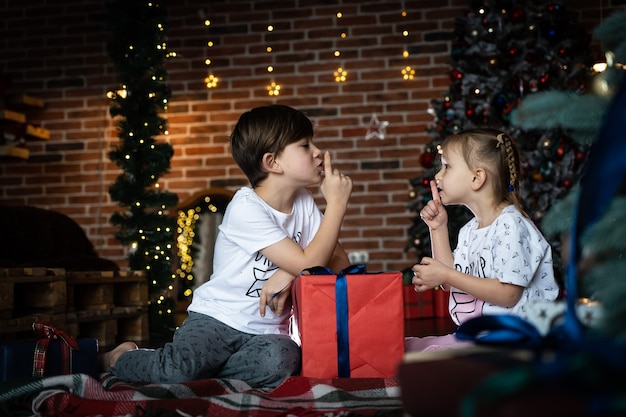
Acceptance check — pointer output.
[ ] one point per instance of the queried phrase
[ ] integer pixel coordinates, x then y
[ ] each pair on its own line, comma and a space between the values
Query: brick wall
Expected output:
56, 51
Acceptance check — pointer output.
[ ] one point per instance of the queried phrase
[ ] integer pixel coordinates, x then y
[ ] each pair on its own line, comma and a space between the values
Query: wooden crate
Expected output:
94, 296
105, 331
34, 290
131, 294
50, 295
6, 300
134, 329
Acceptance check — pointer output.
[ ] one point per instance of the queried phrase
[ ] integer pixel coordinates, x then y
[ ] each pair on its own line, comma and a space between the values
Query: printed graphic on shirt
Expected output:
260, 274
465, 306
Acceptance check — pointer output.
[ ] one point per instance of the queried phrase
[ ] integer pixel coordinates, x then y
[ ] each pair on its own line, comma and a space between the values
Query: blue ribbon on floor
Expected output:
341, 313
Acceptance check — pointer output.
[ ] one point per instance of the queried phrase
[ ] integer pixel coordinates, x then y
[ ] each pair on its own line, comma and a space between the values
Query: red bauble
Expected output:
427, 159
517, 15
455, 75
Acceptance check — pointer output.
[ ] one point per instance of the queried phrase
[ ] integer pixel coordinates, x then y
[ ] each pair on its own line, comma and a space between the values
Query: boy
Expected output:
270, 232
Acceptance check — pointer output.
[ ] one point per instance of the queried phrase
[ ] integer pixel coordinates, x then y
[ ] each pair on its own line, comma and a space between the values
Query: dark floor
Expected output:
428, 326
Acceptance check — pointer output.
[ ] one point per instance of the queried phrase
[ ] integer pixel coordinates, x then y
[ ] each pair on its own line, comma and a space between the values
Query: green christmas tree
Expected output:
138, 50
502, 52
603, 264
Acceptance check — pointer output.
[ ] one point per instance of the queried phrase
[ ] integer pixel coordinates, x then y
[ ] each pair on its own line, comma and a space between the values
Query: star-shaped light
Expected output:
377, 128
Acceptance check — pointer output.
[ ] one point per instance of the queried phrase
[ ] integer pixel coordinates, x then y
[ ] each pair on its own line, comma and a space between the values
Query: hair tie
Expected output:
500, 139
511, 188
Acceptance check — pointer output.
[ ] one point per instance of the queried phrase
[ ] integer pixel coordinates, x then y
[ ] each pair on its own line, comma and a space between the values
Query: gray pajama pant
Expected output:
204, 347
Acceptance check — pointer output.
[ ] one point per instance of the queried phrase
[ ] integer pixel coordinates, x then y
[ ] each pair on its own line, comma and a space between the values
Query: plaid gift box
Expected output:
55, 353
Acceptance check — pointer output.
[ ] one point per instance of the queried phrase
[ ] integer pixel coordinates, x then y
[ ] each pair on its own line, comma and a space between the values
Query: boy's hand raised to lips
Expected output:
434, 213
335, 187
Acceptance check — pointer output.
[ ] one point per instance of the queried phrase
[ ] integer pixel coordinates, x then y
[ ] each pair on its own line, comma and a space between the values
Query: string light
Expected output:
211, 79
408, 73
187, 222
341, 74
273, 89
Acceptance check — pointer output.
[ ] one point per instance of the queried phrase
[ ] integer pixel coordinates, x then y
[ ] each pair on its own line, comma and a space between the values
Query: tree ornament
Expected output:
455, 75
601, 86
376, 129
547, 143
517, 15
427, 159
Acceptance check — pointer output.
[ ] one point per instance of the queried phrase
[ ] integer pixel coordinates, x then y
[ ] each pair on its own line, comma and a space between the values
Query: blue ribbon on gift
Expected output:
341, 313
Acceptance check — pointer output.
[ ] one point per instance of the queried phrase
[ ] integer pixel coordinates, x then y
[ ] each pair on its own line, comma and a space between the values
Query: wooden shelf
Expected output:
12, 116
14, 127
14, 152
36, 132
25, 101
110, 306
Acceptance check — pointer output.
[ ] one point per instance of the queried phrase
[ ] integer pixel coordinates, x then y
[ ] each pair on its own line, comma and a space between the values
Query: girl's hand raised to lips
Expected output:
434, 213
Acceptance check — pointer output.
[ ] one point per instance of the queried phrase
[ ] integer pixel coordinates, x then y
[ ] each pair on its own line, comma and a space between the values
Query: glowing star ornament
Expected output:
377, 129
341, 75
408, 73
211, 81
273, 89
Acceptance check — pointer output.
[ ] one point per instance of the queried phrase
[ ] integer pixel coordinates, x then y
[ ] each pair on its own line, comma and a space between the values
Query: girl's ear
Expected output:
479, 179
270, 164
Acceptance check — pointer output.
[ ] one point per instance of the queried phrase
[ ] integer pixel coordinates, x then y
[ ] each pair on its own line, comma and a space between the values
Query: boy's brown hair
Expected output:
266, 129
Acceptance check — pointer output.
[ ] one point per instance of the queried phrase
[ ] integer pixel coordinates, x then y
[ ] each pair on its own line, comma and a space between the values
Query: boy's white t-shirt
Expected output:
239, 270
511, 250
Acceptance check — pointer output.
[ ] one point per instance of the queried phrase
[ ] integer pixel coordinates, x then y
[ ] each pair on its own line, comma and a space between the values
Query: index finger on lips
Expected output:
434, 190
328, 167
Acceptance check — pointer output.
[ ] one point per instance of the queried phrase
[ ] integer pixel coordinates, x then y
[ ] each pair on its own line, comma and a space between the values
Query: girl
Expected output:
502, 261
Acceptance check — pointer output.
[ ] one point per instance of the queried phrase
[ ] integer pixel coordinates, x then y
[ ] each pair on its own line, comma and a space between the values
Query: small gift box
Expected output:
350, 324
418, 305
54, 353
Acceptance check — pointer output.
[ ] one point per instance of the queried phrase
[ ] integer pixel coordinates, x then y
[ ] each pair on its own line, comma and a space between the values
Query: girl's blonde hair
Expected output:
494, 151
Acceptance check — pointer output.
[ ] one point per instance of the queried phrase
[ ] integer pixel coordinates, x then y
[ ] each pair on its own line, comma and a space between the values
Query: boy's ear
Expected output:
270, 164
479, 179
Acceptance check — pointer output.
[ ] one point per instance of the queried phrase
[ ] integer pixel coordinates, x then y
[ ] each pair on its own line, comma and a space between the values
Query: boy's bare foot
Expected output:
109, 359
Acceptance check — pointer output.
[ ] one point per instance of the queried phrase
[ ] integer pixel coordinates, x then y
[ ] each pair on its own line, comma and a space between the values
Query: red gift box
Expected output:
418, 305
441, 299
375, 324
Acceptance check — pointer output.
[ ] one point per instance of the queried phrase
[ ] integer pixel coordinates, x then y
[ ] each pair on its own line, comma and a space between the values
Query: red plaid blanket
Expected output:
80, 395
